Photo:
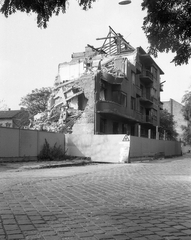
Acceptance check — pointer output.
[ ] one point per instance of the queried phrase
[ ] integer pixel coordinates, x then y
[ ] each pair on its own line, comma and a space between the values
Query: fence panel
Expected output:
28, 143
19, 143
106, 148
9, 142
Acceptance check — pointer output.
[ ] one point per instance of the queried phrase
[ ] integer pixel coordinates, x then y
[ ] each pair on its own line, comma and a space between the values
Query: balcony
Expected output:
146, 77
138, 91
161, 87
146, 119
113, 109
110, 107
146, 98
111, 79
149, 119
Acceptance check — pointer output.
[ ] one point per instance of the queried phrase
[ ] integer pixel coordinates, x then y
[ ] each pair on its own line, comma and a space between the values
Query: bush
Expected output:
51, 153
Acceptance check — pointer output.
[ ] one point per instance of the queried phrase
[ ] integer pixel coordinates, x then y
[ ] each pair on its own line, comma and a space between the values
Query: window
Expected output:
154, 72
103, 90
142, 110
142, 90
154, 114
119, 97
133, 103
103, 125
124, 128
133, 77
115, 127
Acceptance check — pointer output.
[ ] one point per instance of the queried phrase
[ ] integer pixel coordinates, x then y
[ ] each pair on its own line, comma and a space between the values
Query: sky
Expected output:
29, 56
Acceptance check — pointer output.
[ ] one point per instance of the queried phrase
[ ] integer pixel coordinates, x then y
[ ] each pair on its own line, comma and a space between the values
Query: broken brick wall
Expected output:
85, 124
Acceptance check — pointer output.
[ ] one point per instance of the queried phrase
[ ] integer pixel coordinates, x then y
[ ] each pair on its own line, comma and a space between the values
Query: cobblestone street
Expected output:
106, 201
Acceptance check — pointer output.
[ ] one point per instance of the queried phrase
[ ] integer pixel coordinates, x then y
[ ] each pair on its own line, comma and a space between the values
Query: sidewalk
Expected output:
31, 165
21, 166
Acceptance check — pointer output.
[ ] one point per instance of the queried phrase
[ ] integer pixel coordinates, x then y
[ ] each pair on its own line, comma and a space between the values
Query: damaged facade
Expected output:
113, 89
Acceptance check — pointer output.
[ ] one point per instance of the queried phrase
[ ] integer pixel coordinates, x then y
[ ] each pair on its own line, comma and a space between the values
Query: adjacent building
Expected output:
175, 108
113, 89
14, 118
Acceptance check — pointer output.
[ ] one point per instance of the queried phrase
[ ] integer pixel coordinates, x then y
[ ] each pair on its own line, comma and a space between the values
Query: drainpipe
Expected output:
157, 133
149, 133
139, 130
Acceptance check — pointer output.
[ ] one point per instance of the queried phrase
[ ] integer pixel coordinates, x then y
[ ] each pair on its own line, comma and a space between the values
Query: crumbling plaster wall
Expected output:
85, 124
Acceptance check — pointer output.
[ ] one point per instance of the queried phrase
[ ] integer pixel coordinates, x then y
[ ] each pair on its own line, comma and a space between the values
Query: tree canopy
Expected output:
168, 27
167, 123
167, 24
186, 100
3, 105
186, 110
44, 9
36, 101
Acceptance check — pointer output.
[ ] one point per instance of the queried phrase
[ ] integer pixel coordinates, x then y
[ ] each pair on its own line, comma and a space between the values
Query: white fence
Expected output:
107, 148
17, 143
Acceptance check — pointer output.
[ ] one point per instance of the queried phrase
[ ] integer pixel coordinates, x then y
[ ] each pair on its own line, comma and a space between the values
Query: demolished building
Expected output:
113, 89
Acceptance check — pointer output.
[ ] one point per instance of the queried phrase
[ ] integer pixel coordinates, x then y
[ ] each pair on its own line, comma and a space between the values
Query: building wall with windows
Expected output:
130, 103
117, 85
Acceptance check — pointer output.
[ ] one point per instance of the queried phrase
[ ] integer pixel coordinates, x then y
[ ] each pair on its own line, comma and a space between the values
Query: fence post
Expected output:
19, 143
37, 142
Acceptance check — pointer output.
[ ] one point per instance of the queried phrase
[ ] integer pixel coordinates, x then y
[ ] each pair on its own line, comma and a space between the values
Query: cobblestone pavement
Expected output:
117, 201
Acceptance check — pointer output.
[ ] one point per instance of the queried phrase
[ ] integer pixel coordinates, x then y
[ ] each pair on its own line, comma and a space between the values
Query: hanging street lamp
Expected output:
124, 2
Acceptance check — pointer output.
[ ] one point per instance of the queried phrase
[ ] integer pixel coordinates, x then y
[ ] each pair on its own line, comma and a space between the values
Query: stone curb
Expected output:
42, 165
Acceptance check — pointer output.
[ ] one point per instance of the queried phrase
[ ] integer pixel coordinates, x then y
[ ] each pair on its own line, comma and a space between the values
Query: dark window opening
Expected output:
133, 103
103, 125
115, 127
124, 128
119, 97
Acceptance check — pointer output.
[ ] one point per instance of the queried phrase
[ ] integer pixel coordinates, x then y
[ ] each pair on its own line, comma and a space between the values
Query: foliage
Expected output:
37, 101
186, 110
167, 24
168, 27
186, 100
43, 8
51, 153
167, 123
187, 134
3, 106
22, 119
41, 119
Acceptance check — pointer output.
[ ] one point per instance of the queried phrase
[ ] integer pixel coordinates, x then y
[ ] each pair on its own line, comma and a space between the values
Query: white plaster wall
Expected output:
70, 71
106, 148
101, 148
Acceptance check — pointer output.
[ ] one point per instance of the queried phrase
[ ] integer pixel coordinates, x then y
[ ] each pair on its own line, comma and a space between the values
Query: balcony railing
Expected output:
110, 107
138, 90
111, 79
148, 119
146, 76
161, 88
147, 98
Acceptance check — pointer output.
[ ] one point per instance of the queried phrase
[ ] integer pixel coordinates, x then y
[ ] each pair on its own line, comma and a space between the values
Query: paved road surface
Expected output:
106, 201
